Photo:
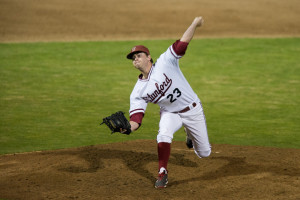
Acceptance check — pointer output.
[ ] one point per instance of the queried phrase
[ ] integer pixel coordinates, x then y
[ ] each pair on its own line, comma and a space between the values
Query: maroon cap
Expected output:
138, 48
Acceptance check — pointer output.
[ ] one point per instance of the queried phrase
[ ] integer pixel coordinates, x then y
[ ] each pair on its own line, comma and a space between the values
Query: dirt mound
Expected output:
128, 171
69, 20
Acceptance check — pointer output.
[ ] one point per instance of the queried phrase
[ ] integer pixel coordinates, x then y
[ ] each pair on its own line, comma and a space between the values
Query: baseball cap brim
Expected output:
130, 55
138, 49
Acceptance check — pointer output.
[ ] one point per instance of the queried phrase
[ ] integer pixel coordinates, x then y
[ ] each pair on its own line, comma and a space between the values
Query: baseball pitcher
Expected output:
164, 84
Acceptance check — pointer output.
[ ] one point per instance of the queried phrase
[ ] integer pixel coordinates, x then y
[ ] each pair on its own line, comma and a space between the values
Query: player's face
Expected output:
140, 60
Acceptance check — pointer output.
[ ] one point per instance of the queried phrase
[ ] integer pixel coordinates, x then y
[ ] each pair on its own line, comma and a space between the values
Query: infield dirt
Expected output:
73, 20
128, 170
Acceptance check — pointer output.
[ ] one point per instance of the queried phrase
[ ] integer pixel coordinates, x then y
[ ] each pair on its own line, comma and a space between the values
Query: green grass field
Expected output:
54, 95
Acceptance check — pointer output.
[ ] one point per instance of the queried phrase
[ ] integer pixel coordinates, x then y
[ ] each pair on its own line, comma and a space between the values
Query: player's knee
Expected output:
164, 138
203, 154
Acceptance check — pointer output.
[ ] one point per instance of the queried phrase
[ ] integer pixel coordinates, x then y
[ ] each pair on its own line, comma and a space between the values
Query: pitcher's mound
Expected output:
128, 171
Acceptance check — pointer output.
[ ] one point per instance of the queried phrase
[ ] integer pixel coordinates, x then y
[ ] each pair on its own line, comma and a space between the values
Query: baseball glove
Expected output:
117, 122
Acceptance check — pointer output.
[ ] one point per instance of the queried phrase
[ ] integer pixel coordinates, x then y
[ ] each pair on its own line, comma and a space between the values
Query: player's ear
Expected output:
149, 58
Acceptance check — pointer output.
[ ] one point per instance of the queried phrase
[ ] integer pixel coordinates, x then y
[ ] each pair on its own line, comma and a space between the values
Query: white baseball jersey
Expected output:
165, 86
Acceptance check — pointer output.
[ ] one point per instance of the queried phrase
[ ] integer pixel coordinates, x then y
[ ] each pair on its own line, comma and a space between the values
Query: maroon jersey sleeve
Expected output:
137, 117
180, 47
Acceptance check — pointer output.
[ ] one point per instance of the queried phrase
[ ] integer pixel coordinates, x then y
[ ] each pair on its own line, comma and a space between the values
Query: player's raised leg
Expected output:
197, 130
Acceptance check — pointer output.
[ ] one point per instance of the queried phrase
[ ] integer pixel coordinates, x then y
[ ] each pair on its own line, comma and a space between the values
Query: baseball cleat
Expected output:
162, 180
189, 143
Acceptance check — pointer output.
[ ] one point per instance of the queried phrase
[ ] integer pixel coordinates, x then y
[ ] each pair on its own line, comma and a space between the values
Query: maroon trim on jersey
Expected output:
177, 57
137, 117
149, 74
179, 47
141, 109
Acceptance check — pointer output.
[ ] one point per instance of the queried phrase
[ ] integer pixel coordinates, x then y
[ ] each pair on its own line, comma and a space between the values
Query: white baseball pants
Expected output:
195, 126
